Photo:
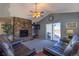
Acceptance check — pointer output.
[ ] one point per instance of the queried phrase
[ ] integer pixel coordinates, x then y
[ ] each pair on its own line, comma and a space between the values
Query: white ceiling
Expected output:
23, 10
55, 7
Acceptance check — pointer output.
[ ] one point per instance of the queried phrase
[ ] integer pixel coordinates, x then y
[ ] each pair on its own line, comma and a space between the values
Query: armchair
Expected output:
59, 50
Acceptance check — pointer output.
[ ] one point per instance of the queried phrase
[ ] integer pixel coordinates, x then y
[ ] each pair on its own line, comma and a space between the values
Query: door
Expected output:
56, 31
49, 31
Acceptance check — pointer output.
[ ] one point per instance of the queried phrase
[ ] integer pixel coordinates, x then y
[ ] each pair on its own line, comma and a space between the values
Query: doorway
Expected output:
53, 31
56, 31
49, 31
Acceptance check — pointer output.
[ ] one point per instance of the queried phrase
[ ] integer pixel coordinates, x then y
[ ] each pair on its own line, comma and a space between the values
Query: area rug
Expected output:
40, 54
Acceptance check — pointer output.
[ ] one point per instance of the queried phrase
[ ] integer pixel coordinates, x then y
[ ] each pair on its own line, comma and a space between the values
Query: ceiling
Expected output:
23, 9
46, 7
54, 7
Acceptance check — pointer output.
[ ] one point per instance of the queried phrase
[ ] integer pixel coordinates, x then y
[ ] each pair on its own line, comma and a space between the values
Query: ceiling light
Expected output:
36, 13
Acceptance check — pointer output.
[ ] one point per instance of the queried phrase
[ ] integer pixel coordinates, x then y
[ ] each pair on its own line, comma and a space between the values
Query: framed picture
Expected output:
71, 25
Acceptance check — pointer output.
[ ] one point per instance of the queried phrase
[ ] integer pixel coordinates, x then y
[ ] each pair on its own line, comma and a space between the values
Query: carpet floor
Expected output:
38, 44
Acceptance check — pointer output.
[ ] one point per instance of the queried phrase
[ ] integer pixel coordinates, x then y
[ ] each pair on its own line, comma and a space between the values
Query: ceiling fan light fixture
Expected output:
36, 13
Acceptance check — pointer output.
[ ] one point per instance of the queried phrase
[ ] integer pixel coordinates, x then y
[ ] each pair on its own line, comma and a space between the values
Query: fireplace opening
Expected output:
23, 33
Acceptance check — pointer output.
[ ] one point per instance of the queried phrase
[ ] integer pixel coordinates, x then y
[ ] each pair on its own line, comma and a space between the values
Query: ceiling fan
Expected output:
36, 13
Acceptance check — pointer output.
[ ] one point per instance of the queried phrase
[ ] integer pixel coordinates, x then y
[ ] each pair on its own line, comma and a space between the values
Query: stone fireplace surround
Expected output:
18, 24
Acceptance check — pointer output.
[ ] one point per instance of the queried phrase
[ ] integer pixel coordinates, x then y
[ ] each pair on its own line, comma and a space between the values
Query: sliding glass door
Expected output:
56, 31
49, 31
53, 31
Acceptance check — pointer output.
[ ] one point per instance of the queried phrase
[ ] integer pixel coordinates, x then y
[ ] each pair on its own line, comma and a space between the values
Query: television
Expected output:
23, 33
36, 26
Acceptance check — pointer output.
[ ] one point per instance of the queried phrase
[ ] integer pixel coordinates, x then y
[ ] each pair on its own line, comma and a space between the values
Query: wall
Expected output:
59, 17
4, 10
1, 30
4, 20
15, 9
20, 10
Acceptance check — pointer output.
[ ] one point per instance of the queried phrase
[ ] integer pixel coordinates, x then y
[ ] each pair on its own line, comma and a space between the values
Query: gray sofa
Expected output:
15, 49
59, 50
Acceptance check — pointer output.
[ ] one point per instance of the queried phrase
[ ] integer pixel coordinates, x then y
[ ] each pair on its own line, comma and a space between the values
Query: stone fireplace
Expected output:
21, 27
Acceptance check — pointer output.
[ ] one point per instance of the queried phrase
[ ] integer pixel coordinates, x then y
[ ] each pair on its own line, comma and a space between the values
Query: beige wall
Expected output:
2, 21
1, 30
4, 10
19, 10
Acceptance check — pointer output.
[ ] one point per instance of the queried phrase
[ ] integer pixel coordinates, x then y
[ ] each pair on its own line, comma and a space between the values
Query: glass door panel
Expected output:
56, 31
49, 31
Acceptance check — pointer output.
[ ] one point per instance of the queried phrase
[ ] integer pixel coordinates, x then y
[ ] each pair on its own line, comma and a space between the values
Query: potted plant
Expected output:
8, 30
